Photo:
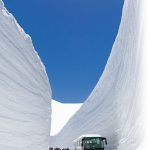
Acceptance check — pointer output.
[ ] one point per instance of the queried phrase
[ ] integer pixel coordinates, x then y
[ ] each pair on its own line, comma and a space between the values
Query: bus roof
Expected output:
87, 135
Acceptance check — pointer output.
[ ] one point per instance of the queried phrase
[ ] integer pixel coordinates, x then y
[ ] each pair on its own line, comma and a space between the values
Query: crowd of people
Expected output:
57, 148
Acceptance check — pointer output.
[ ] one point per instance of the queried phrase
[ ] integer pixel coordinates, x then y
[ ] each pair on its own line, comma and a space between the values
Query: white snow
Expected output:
118, 107
61, 113
25, 105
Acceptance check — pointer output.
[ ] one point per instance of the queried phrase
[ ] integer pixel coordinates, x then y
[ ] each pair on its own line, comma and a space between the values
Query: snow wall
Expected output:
25, 104
118, 107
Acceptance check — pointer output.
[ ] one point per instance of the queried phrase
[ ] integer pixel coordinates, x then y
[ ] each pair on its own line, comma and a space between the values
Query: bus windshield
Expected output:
92, 142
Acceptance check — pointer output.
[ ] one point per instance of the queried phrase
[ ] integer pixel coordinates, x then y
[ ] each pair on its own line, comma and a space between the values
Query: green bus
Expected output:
90, 142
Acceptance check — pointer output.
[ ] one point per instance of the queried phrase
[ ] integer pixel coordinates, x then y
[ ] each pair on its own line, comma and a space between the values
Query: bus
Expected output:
90, 142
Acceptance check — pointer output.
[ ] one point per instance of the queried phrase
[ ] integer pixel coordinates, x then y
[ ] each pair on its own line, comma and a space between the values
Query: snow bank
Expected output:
118, 107
61, 113
25, 95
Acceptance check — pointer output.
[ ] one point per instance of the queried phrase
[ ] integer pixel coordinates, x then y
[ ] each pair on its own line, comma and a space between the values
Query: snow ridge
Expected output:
61, 113
19, 29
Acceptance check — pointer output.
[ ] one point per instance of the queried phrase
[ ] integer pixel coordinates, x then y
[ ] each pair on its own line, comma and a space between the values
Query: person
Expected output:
57, 148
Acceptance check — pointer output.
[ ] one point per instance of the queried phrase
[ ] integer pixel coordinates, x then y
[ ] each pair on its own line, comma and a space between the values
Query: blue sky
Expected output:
73, 38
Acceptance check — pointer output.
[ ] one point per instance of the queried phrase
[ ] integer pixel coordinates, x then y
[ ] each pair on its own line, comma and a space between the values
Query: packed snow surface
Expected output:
25, 105
118, 107
61, 113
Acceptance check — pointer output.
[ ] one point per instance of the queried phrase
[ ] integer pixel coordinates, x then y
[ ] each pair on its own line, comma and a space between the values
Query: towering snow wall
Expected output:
118, 107
25, 95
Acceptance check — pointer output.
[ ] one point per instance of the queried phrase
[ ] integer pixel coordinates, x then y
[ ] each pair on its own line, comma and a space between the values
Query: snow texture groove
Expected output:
118, 107
25, 93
